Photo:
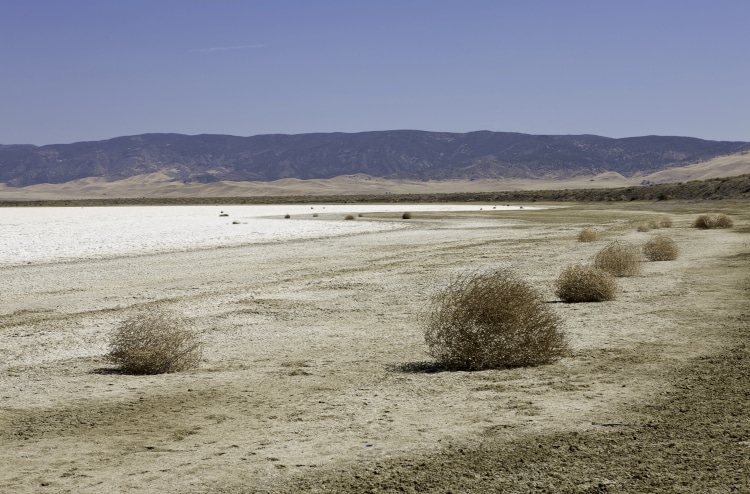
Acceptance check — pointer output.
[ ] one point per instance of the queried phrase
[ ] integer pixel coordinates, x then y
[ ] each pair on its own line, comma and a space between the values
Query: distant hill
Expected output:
398, 154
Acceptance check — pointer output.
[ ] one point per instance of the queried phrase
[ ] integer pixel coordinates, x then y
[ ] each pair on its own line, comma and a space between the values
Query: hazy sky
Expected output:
78, 70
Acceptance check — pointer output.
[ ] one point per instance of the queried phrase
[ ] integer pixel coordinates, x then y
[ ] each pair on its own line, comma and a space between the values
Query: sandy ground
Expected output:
314, 378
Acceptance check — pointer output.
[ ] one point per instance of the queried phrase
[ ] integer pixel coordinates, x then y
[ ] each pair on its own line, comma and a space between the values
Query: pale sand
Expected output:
302, 341
163, 184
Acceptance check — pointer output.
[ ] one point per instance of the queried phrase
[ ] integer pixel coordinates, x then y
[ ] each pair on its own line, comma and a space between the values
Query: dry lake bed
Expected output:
314, 376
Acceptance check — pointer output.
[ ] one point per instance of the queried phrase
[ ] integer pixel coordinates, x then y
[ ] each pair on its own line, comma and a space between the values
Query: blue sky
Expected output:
82, 70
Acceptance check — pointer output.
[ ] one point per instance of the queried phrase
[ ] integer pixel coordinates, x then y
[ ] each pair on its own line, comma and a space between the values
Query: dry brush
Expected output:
619, 258
582, 283
491, 320
155, 341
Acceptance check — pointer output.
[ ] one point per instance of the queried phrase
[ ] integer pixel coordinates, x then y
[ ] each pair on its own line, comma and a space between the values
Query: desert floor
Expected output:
316, 377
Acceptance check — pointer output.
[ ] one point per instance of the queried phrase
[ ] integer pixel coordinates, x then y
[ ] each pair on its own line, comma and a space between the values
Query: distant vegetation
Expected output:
665, 222
717, 188
713, 220
655, 223
393, 154
588, 235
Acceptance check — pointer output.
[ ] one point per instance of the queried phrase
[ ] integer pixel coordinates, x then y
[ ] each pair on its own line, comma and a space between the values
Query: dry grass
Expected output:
619, 259
644, 227
155, 342
713, 220
588, 235
660, 248
349, 217
581, 283
491, 320
665, 222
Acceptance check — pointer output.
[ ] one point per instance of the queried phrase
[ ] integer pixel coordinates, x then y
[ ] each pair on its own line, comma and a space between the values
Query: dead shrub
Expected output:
619, 259
665, 222
660, 248
491, 320
588, 235
713, 220
581, 283
155, 342
349, 217
644, 227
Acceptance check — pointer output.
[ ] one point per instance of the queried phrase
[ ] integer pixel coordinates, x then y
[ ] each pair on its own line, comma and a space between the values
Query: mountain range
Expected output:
397, 154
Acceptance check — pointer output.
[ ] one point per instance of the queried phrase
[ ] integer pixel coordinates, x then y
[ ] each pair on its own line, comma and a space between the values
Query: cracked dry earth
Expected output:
313, 377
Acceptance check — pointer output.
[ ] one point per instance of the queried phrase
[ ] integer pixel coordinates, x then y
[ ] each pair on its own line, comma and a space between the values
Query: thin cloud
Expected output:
227, 48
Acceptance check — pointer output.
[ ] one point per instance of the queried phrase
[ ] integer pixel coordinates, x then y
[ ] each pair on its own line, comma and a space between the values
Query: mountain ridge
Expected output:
394, 154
